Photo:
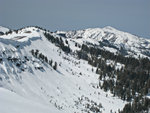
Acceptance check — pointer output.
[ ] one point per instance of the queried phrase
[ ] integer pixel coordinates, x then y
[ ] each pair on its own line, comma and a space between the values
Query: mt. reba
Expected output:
100, 70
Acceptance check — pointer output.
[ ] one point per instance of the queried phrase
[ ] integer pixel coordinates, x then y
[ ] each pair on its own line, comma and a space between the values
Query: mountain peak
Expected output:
3, 29
109, 27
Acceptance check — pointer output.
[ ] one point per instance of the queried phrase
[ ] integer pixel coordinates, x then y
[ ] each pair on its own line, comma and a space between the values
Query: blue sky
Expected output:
132, 16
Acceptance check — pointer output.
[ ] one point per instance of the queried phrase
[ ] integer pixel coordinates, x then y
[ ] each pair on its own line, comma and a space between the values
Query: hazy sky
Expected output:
127, 15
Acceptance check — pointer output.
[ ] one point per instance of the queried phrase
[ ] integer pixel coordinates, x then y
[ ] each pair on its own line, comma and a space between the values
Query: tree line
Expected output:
58, 42
44, 58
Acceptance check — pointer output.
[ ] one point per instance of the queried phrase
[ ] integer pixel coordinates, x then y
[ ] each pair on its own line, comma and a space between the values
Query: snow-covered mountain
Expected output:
38, 76
112, 40
3, 30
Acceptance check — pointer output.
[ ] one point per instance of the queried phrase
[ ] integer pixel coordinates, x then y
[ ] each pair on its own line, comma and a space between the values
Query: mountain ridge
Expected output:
119, 39
68, 74
3, 30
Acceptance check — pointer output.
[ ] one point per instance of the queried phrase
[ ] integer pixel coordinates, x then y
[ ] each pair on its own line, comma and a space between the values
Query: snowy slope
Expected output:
112, 40
11, 102
73, 87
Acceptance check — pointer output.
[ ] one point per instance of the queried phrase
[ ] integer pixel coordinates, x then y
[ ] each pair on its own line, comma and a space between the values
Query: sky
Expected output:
131, 16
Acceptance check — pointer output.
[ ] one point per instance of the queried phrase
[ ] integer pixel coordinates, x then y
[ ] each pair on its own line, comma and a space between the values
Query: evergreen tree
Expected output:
55, 66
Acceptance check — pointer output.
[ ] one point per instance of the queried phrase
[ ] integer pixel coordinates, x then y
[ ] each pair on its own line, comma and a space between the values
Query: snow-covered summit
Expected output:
112, 40
3, 29
22, 34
